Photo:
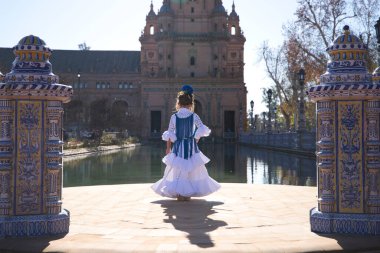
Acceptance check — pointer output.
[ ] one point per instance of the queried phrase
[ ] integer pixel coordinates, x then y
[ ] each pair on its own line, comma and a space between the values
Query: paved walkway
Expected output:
238, 218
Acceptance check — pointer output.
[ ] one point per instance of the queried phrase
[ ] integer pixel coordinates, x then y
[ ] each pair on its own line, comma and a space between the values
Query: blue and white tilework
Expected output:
31, 145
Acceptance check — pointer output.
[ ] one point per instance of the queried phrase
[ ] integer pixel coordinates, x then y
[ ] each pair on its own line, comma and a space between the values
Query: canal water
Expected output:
230, 163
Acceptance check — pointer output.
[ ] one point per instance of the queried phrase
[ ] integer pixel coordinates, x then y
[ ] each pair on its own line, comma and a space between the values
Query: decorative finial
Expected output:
233, 5
151, 5
346, 29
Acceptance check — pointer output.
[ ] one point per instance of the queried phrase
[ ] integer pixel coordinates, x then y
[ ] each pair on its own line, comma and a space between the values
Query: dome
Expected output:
32, 63
347, 41
347, 64
31, 40
165, 8
31, 76
219, 9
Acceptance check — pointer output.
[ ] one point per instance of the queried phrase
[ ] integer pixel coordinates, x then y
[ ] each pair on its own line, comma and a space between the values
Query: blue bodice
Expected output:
185, 145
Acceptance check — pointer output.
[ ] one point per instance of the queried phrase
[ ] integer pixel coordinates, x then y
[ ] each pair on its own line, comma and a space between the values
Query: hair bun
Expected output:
187, 89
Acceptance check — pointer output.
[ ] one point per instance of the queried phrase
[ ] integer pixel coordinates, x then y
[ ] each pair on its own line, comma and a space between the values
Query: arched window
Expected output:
192, 61
233, 30
151, 30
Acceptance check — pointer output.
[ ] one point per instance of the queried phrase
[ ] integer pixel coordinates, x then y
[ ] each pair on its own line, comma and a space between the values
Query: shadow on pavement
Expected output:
193, 218
30, 245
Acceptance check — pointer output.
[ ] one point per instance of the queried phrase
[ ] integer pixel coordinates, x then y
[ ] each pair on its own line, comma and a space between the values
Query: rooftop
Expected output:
89, 61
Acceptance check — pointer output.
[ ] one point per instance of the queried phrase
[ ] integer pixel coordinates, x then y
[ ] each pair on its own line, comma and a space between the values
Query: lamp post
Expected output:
269, 94
301, 109
376, 73
377, 29
80, 103
251, 115
275, 118
264, 115
255, 122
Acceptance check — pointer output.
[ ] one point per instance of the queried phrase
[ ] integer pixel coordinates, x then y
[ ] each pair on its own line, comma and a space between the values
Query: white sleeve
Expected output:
202, 130
170, 133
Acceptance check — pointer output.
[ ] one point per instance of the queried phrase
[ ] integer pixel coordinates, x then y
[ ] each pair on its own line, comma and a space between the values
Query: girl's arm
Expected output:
168, 147
202, 130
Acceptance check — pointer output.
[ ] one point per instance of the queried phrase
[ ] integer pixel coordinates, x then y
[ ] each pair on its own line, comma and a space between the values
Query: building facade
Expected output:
192, 42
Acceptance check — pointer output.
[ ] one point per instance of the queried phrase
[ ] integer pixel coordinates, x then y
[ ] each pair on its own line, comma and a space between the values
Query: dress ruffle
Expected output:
187, 178
169, 135
187, 165
202, 131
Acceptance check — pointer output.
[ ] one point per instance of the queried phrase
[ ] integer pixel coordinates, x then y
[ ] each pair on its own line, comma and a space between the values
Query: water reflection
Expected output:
229, 164
269, 167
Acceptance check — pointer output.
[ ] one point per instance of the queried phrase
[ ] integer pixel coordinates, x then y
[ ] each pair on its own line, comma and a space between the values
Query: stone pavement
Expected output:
237, 218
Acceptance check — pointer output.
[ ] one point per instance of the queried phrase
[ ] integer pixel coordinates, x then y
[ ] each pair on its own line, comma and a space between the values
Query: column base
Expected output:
35, 225
339, 223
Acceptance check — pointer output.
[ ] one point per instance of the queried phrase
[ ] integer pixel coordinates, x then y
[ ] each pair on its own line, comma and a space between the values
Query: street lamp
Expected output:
264, 115
255, 122
275, 118
269, 94
80, 104
78, 75
251, 115
301, 112
377, 28
376, 73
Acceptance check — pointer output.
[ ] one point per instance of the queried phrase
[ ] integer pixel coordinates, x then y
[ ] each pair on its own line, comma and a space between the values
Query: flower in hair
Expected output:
187, 89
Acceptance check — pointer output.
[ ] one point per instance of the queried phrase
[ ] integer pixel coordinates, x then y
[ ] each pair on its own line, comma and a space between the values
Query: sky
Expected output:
117, 25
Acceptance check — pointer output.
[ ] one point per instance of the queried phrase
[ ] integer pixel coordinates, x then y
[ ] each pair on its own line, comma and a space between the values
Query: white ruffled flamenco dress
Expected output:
185, 173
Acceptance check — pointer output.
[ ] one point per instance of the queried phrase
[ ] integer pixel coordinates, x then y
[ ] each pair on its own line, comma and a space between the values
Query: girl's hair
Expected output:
185, 100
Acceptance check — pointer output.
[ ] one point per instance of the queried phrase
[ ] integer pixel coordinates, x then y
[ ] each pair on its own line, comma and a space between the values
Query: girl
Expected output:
185, 173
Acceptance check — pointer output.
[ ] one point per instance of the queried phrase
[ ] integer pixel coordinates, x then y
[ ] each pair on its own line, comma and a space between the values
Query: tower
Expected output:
198, 43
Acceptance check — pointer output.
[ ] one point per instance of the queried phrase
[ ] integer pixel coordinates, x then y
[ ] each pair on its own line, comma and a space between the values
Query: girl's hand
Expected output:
168, 150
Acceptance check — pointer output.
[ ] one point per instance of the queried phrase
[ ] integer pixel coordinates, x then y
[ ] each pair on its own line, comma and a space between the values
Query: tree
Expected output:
318, 23
73, 113
275, 65
99, 114
366, 15
119, 114
83, 47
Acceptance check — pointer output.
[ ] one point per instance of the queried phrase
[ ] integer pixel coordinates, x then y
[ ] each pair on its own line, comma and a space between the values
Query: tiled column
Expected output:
6, 151
326, 156
348, 157
373, 158
54, 156
31, 145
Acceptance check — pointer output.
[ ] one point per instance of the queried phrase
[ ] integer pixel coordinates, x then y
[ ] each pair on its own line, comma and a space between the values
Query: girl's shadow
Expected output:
192, 218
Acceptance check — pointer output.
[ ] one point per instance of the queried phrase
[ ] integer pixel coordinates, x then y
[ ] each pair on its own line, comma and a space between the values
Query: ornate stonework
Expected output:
185, 42
31, 144
347, 142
